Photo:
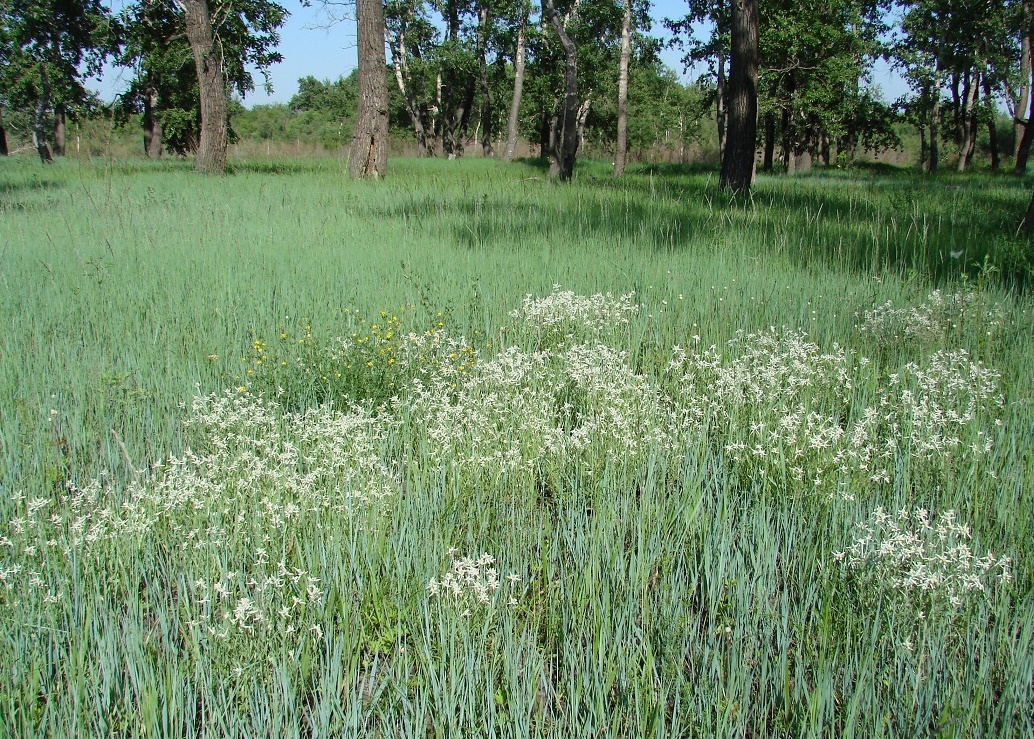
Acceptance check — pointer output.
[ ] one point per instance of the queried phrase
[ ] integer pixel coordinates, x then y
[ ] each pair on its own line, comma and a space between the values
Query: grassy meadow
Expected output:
469, 453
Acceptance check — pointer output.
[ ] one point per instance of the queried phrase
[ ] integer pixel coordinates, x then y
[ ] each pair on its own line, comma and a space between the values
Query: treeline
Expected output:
561, 75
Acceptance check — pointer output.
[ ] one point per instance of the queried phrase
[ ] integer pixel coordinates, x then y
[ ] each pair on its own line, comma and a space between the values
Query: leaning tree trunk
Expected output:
39, 136
211, 150
626, 52
369, 156
1023, 97
59, 130
565, 147
738, 160
515, 100
3, 134
400, 66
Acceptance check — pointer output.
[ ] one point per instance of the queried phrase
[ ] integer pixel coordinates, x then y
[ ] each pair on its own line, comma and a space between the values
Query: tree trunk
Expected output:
583, 113
966, 120
720, 112
39, 136
486, 95
564, 148
824, 148
152, 128
738, 160
398, 52
935, 115
369, 153
3, 134
1023, 98
769, 141
992, 128
515, 100
923, 148
211, 150
626, 51
59, 130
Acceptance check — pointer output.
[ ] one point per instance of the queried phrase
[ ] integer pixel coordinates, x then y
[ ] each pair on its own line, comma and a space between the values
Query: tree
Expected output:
626, 52
564, 135
50, 48
225, 38
518, 81
369, 155
738, 160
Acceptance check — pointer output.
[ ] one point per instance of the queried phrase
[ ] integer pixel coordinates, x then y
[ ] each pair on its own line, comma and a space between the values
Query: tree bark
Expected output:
966, 119
992, 129
564, 147
152, 128
369, 153
59, 130
720, 112
935, 115
738, 160
486, 95
626, 52
518, 91
211, 150
1023, 98
769, 142
824, 148
1027, 224
398, 52
39, 136
3, 134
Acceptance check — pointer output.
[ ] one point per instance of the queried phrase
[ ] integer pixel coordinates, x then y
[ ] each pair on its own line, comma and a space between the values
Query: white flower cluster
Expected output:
783, 408
470, 583
271, 602
577, 405
562, 312
931, 320
911, 552
257, 472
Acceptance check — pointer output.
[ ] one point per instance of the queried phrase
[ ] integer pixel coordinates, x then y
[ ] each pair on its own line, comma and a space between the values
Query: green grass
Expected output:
674, 591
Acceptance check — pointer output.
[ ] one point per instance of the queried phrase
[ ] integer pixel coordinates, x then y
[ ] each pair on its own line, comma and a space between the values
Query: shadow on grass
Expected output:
882, 218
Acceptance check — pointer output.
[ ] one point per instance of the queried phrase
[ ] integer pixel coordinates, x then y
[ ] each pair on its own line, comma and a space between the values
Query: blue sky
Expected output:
310, 47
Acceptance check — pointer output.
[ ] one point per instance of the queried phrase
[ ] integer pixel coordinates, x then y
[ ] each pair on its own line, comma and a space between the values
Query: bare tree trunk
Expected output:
583, 113
720, 112
369, 154
824, 148
518, 90
3, 134
970, 85
564, 151
59, 130
626, 52
992, 128
211, 150
398, 53
1023, 98
486, 95
769, 141
935, 115
152, 128
923, 147
39, 137
738, 160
